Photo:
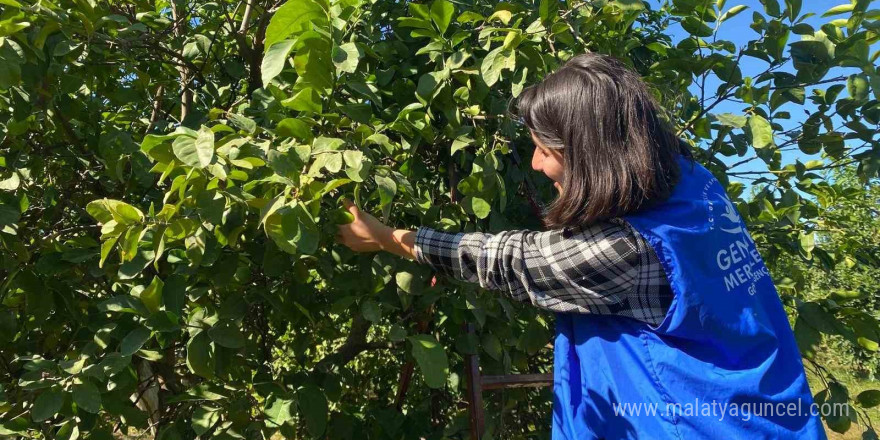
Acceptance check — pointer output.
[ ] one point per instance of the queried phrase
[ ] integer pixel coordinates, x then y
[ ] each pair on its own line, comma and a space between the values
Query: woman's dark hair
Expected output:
619, 155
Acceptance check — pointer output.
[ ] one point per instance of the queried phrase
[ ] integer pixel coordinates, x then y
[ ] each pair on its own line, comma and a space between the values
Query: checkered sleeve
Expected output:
604, 268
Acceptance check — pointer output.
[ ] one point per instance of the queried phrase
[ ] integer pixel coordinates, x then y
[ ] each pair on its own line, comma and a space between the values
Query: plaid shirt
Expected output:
606, 268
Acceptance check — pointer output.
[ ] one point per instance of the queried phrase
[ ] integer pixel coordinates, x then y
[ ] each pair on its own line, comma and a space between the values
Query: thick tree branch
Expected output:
355, 344
157, 107
186, 96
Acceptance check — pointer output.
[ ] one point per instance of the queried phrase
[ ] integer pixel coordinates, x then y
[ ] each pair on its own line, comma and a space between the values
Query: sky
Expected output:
737, 30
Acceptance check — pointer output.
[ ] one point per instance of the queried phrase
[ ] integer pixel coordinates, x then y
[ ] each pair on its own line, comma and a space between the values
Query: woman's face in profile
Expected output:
548, 161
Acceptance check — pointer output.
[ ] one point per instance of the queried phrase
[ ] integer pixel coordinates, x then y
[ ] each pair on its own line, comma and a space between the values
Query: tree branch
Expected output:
355, 344
186, 94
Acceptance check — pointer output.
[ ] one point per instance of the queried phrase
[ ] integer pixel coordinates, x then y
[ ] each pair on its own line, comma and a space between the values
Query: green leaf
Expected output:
429, 85
11, 183
195, 247
200, 355
358, 111
357, 169
47, 405
9, 215
534, 338
123, 304
502, 14
370, 310
275, 230
397, 333
302, 230
431, 358
869, 398
163, 321
130, 250
313, 61
811, 54
8, 330
322, 144
174, 294
346, 57
313, 407
840, 423
203, 418
87, 397
839, 9
761, 131
278, 410
227, 334
134, 340
808, 242
813, 314
459, 143
293, 128
409, 282
858, 87
10, 74
152, 295
114, 363
275, 59
242, 122
476, 206
844, 295
495, 61
293, 230
732, 12
293, 18
771, 7
305, 100
794, 8
807, 337
387, 189
695, 26
106, 210
492, 345
414, 22
629, 5
441, 14
732, 120
196, 152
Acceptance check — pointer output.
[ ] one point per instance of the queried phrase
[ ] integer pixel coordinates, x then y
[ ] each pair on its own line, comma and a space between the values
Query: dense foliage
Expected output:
170, 175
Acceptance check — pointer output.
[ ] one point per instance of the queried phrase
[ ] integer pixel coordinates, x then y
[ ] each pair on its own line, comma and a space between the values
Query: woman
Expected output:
668, 324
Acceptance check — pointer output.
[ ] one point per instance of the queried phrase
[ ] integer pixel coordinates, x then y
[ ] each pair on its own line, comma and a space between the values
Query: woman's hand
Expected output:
365, 234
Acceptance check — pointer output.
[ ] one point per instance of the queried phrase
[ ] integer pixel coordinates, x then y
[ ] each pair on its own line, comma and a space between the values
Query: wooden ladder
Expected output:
477, 383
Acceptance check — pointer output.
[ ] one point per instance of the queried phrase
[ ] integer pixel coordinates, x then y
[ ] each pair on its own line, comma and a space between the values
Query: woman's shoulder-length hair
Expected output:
619, 155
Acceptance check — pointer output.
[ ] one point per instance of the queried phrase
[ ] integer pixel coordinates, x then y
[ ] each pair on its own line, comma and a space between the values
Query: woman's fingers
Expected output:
360, 235
351, 207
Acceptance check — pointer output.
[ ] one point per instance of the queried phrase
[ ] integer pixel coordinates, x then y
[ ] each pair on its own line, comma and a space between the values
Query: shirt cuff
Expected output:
437, 248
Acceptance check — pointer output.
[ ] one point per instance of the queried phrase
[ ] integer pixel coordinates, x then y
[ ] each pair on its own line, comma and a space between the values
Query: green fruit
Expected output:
341, 216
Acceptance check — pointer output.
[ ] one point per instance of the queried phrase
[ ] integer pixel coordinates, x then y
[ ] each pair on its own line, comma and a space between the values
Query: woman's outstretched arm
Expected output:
602, 268
605, 268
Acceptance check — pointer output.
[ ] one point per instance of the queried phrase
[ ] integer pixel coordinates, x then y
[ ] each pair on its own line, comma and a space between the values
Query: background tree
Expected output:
169, 177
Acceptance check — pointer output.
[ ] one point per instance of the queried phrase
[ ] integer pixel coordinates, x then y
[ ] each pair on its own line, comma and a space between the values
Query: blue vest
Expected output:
723, 364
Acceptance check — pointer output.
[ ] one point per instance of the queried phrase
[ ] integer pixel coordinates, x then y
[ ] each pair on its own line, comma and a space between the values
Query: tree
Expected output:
171, 173
836, 293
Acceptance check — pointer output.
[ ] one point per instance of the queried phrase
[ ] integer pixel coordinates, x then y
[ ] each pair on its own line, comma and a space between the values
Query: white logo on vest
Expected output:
732, 217
739, 258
